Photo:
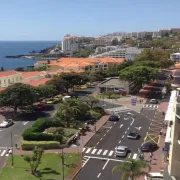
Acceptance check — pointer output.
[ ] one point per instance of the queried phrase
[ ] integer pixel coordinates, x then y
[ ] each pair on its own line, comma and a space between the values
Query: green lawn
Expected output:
49, 169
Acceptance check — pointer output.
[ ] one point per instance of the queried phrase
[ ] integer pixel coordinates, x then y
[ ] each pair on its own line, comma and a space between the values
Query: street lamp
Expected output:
12, 158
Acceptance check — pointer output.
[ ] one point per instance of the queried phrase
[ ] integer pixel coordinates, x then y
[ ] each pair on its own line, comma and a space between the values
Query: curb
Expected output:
77, 173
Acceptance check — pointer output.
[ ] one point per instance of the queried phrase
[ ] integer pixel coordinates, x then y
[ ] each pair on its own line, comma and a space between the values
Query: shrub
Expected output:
30, 145
52, 130
99, 110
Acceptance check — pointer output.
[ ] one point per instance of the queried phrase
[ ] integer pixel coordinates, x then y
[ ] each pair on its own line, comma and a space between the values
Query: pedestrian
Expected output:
150, 160
160, 133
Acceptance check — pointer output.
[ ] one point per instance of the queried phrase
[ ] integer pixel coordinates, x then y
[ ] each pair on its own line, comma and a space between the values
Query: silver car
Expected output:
121, 151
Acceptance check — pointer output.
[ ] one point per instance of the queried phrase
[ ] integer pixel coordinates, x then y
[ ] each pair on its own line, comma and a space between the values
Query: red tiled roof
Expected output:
38, 82
32, 74
8, 73
1, 89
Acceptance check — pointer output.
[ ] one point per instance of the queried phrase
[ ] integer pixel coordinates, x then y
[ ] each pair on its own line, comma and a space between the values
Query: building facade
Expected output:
8, 78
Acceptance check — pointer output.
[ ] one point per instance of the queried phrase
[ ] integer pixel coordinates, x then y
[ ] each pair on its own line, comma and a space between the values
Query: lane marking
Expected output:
94, 150
97, 143
101, 139
86, 161
108, 130
83, 149
125, 132
99, 152
120, 141
105, 152
25, 123
134, 156
111, 153
88, 150
104, 134
128, 128
121, 126
123, 136
114, 122
98, 175
117, 160
4, 151
132, 122
105, 164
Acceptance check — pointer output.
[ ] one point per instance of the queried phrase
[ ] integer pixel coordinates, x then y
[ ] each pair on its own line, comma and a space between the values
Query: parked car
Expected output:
155, 176
133, 135
38, 106
154, 101
148, 147
113, 118
121, 151
6, 123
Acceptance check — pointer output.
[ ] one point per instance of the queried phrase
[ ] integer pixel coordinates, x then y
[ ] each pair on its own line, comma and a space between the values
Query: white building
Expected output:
126, 53
69, 44
175, 57
8, 78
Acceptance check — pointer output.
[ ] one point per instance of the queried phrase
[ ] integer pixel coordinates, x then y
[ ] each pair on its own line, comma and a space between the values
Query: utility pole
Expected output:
12, 158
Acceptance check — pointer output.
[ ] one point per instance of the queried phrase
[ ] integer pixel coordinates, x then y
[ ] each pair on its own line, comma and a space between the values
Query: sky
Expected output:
52, 19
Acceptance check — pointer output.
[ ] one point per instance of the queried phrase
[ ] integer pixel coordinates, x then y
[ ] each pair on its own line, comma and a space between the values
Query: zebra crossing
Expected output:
119, 109
85, 159
5, 152
150, 106
107, 153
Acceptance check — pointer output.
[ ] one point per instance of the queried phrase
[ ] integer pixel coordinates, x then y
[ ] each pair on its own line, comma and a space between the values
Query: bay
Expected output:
12, 48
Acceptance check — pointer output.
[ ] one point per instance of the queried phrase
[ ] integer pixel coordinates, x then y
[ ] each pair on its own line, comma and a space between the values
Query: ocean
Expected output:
11, 48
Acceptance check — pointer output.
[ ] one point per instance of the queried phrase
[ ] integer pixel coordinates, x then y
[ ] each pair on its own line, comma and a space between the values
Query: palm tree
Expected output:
68, 110
131, 169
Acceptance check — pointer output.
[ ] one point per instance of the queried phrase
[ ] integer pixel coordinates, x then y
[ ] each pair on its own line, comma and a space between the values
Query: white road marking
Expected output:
111, 153
7, 154
129, 155
98, 175
123, 136
105, 164
95, 157
106, 127
134, 156
0, 129
121, 126
83, 149
120, 141
99, 152
114, 122
132, 122
88, 150
94, 150
25, 123
105, 152
128, 128
126, 118
86, 160
125, 132
4, 151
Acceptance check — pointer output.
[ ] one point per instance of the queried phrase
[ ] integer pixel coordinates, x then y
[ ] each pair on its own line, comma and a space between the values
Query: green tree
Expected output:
45, 91
19, 69
41, 68
67, 110
124, 65
132, 169
18, 95
138, 75
35, 160
91, 101
153, 64
109, 94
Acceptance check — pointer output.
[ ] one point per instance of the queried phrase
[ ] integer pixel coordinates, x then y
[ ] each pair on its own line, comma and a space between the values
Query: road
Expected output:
99, 157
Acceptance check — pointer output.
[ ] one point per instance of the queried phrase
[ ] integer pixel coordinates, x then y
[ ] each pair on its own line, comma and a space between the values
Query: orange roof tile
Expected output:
8, 73
38, 82
32, 74
2, 89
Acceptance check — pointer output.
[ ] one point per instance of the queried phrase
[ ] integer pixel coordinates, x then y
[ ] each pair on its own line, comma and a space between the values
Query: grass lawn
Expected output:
49, 169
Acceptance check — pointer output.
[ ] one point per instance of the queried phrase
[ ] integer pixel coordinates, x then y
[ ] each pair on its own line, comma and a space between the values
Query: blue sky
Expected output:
52, 19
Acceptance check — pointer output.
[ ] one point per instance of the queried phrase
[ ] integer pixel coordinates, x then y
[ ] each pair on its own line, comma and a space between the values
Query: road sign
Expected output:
133, 102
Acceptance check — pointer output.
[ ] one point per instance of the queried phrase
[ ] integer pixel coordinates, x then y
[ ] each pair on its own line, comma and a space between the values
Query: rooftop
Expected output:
38, 82
8, 73
27, 75
114, 82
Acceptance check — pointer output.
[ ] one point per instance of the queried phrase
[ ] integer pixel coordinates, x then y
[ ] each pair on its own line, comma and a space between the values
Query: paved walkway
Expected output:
82, 141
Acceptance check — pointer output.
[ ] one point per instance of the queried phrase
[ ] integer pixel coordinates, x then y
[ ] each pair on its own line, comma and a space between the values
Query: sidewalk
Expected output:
82, 141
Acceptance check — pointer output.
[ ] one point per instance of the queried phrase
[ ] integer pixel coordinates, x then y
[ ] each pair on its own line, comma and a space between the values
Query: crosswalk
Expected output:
85, 160
5, 152
119, 109
102, 152
150, 106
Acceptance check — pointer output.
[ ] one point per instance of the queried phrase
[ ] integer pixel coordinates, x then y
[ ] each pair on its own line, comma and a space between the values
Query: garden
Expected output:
52, 132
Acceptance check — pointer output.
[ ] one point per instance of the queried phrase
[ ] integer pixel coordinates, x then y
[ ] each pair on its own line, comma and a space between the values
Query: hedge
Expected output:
99, 110
30, 145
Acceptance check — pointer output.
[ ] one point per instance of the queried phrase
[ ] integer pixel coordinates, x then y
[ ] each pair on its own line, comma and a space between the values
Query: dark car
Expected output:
133, 135
113, 118
148, 147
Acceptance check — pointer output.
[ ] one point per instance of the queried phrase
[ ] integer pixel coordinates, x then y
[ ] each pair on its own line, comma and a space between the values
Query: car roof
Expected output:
155, 174
121, 147
153, 99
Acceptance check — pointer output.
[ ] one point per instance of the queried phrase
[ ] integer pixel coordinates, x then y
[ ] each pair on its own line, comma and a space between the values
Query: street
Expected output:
99, 153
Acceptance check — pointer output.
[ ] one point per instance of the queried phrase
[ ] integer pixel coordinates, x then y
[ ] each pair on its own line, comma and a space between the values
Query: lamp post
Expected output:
12, 158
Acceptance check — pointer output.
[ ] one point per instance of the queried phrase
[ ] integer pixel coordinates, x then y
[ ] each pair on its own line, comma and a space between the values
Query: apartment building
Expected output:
100, 50
83, 64
101, 42
8, 78
125, 53
69, 44
172, 140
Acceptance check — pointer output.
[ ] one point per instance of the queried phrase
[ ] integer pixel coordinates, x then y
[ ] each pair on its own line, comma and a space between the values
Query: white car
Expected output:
154, 101
6, 123
154, 176
121, 151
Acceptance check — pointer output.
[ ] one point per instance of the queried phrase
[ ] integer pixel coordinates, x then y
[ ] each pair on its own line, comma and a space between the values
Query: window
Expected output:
9, 82
105, 65
96, 66
4, 81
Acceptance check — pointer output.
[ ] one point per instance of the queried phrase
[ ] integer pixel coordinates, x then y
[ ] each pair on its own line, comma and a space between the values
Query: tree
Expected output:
45, 91
67, 110
124, 65
131, 169
73, 79
139, 75
18, 95
109, 94
19, 69
153, 64
34, 160
91, 101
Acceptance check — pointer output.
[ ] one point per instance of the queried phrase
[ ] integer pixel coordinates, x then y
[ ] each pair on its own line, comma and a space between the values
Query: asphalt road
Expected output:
101, 147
